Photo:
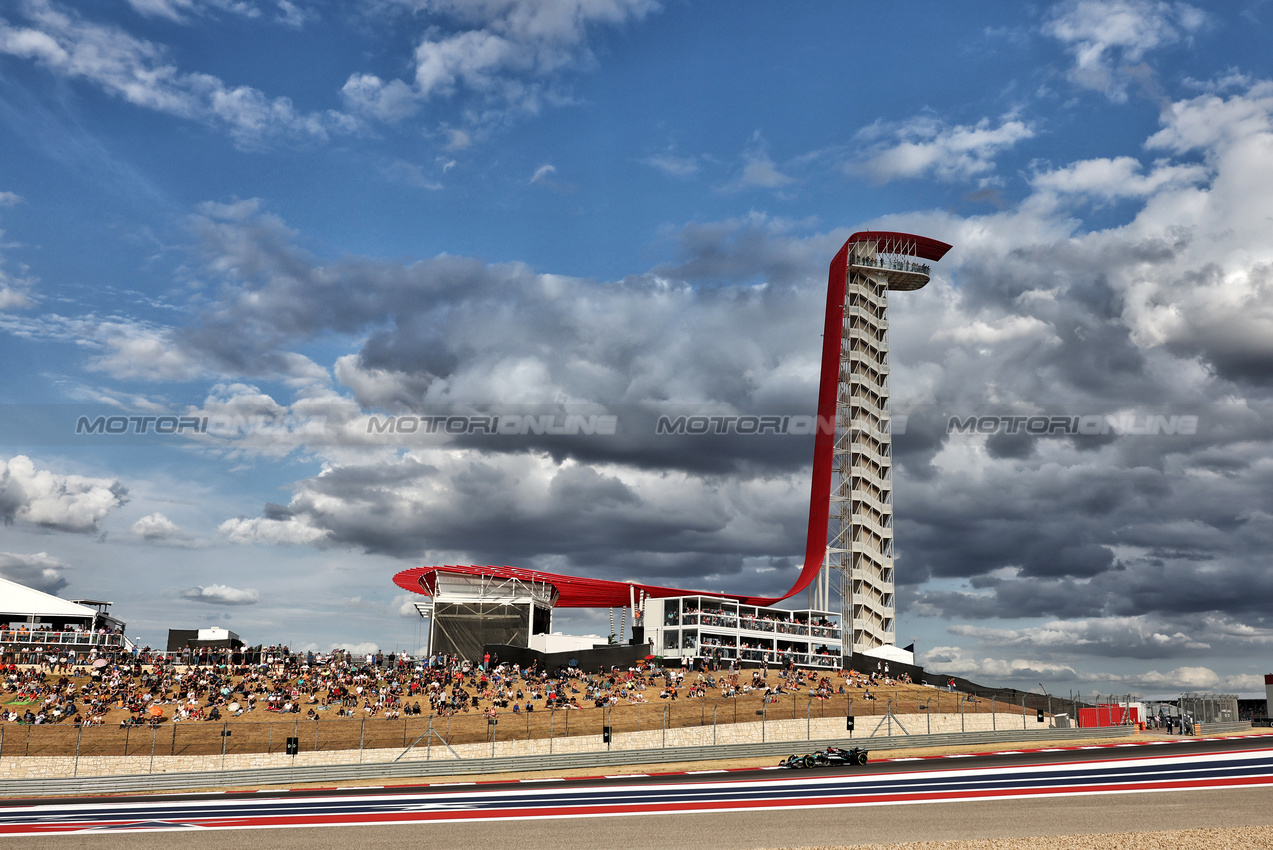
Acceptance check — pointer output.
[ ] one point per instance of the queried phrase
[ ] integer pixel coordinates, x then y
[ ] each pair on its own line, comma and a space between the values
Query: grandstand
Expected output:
848, 564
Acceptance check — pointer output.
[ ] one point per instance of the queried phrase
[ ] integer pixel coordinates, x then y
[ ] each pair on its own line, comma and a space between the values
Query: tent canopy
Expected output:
19, 601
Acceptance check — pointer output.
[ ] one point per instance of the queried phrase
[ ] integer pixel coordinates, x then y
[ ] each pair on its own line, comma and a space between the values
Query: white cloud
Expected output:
40, 571
52, 500
139, 72
506, 53
404, 605
273, 531
1106, 36
14, 291
367, 94
1120, 177
289, 14
758, 171
1005, 328
1215, 124
358, 649
143, 351
120, 347
400, 171
157, 528
173, 10
926, 145
1137, 637
958, 661
1179, 679
9, 199
457, 140
543, 176
673, 165
180, 11
220, 594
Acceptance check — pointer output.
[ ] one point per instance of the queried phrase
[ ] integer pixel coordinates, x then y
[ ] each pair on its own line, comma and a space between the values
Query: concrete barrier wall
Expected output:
796, 731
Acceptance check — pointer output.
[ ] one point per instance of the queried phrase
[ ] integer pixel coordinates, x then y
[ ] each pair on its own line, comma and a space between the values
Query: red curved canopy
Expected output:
890, 242
573, 591
578, 592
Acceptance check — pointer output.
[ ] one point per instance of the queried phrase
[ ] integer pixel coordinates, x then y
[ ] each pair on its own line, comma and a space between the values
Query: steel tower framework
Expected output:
857, 574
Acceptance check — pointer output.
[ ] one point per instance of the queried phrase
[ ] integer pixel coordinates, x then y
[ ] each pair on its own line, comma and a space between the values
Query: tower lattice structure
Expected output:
858, 566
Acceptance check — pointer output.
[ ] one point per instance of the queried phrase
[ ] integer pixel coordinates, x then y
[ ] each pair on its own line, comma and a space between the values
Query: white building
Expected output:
706, 627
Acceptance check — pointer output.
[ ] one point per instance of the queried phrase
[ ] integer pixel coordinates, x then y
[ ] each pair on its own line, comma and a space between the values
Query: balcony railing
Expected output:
83, 639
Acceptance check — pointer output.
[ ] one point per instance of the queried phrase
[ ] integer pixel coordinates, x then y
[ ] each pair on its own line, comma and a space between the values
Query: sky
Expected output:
297, 220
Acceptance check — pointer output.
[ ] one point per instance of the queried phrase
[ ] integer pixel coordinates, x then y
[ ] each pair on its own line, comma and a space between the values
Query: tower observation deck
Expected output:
857, 572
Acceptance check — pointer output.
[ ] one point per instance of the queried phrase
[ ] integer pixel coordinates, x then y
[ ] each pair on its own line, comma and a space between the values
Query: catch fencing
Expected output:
916, 710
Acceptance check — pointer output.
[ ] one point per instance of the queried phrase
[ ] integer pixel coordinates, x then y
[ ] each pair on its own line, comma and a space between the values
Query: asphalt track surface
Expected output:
1216, 782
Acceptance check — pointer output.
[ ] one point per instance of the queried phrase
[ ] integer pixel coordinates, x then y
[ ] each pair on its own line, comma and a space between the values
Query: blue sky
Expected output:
320, 212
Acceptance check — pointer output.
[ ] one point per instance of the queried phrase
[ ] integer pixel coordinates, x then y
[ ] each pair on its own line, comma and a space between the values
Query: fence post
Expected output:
552, 714
173, 752
961, 715
79, 734
362, 732
665, 710
714, 710
269, 740
808, 723
153, 737
1023, 712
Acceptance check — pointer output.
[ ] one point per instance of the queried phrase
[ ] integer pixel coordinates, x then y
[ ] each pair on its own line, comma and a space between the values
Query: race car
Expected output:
826, 758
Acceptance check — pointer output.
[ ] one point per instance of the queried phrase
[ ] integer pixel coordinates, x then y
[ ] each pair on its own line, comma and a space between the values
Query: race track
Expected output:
1102, 779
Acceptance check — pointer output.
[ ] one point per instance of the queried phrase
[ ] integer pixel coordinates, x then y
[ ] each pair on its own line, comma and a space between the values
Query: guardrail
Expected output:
1221, 728
453, 767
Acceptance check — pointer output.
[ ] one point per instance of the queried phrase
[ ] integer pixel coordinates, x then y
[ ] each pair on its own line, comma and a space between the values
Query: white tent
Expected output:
19, 602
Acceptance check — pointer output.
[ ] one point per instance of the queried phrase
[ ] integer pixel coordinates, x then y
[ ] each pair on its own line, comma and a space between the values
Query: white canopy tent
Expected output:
22, 605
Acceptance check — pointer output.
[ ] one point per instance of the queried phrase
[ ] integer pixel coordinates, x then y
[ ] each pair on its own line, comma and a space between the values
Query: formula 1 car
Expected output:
826, 758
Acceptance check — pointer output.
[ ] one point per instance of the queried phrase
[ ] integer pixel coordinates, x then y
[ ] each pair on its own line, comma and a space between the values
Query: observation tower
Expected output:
857, 570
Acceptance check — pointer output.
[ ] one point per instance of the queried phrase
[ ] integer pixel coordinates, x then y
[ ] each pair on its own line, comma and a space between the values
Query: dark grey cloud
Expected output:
39, 571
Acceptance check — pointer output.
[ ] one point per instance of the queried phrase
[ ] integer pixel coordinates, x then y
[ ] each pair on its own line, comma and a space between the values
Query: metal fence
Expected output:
912, 709
1210, 708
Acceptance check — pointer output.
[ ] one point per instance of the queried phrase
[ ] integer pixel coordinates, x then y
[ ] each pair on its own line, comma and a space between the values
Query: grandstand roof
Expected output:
573, 591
